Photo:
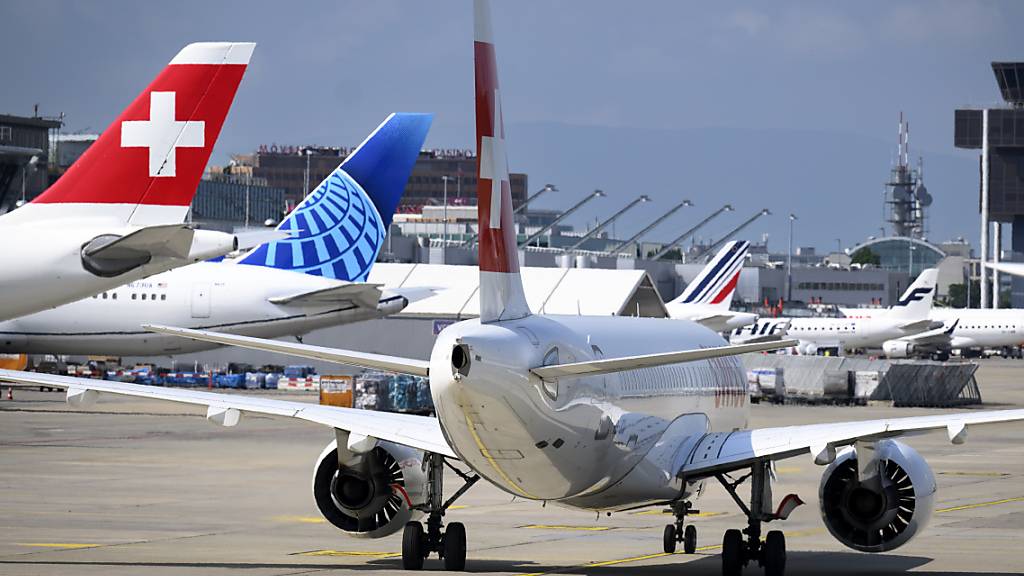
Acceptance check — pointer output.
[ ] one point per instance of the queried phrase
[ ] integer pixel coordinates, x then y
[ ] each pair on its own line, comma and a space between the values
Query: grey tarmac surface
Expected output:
133, 487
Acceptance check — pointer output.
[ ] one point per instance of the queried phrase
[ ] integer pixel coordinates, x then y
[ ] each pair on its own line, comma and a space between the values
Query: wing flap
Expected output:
421, 432
341, 356
651, 360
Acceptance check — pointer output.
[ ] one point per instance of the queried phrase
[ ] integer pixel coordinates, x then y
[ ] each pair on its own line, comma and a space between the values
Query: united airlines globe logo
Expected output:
336, 233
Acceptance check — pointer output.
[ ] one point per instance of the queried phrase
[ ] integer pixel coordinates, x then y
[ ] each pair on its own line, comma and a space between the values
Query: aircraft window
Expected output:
95, 296
143, 296
104, 295
114, 295
163, 296
153, 297
134, 296
551, 386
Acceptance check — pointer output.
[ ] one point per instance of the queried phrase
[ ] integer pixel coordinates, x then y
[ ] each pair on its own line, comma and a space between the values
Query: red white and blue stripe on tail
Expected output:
339, 228
717, 281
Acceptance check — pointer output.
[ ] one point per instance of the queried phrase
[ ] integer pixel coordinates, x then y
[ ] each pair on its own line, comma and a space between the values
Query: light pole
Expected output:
536, 235
444, 235
679, 239
305, 180
629, 242
789, 260
601, 226
546, 188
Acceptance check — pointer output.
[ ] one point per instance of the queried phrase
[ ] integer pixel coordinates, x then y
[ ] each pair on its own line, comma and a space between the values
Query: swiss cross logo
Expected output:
494, 162
162, 134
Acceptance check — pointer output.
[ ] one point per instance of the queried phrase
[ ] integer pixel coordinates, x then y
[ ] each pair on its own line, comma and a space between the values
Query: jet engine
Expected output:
882, 516
371, 494
897, 348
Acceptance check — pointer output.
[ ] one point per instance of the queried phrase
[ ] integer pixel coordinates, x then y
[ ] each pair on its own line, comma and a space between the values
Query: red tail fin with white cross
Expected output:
501, 288
145, 167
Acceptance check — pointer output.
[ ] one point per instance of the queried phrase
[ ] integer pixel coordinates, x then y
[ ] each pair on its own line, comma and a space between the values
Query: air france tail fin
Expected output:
146, 166
717, 281
339, 228
501, 287
916, 302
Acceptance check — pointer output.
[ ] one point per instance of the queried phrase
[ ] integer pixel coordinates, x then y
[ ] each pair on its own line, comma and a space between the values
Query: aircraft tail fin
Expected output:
916, 301
501, 287
145, 167
337, 231
717, 281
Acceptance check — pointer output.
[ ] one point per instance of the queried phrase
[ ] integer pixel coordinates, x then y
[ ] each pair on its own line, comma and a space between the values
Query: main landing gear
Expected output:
675, 533
449, 543
737, 552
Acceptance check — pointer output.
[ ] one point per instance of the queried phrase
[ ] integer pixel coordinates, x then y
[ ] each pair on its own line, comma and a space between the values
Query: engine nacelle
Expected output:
370, 495
897, 348
807, 349
872, 520
208, 244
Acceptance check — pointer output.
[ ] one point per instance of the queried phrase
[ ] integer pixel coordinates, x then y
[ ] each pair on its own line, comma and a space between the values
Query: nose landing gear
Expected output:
449, 543
675, 533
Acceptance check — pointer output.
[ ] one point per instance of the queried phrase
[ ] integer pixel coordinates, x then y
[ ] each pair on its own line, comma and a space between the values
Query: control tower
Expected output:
906, 197
999, 133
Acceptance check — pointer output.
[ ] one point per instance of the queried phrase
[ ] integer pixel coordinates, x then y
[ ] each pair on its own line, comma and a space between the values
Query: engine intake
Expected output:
872, 519
897, 349
370, 495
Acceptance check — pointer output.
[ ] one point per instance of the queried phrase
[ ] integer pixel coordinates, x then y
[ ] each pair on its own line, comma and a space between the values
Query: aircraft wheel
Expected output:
732, 553
690, 539
412, 546
669, 539
775, 553
455, 547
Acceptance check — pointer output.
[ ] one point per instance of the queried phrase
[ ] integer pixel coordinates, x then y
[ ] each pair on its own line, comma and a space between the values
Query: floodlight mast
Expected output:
618, 247
733, 232
562, 216
603, 225
682, 237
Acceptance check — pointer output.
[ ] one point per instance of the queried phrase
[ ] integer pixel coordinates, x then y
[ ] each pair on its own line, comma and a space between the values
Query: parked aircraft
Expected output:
117, 214
707, 298
961, 329
598, 413
908, 316
314, 278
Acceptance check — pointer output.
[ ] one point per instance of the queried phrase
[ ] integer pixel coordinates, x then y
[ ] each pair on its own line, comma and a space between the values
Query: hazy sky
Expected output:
328, 72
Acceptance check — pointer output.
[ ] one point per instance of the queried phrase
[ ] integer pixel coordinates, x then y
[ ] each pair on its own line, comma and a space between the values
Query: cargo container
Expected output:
336, 391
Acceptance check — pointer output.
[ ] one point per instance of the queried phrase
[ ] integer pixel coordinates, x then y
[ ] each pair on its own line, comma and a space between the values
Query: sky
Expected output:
806, 92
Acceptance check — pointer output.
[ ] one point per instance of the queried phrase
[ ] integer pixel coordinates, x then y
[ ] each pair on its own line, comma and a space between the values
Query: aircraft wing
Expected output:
936, 337
722, 452
919, 325
362, 294
351, 357
421, 432
610, 365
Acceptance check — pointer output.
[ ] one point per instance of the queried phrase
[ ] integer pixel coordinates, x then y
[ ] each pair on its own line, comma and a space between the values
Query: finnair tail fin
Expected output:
146, 166
916, 302
716, 283
501, 287
339, 228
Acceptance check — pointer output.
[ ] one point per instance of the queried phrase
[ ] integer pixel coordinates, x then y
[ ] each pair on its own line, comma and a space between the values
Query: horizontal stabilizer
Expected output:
252, 239
349, 357
174, 240
363, 295
712, 320
652, 360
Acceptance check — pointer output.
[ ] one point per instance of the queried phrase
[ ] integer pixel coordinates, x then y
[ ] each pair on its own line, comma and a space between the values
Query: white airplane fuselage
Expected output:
593, 442
849, 332
42, 266
228, 297
978, 328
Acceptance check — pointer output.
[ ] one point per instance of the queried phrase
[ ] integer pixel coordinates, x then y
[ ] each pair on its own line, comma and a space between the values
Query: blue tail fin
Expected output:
338, 229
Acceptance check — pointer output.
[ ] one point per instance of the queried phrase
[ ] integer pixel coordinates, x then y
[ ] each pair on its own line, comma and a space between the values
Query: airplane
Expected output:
707, 298
605, 414
117, 214
908, 316
314, 278
965, 330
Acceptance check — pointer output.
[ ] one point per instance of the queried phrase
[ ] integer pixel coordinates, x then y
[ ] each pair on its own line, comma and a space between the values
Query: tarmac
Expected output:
132, 487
